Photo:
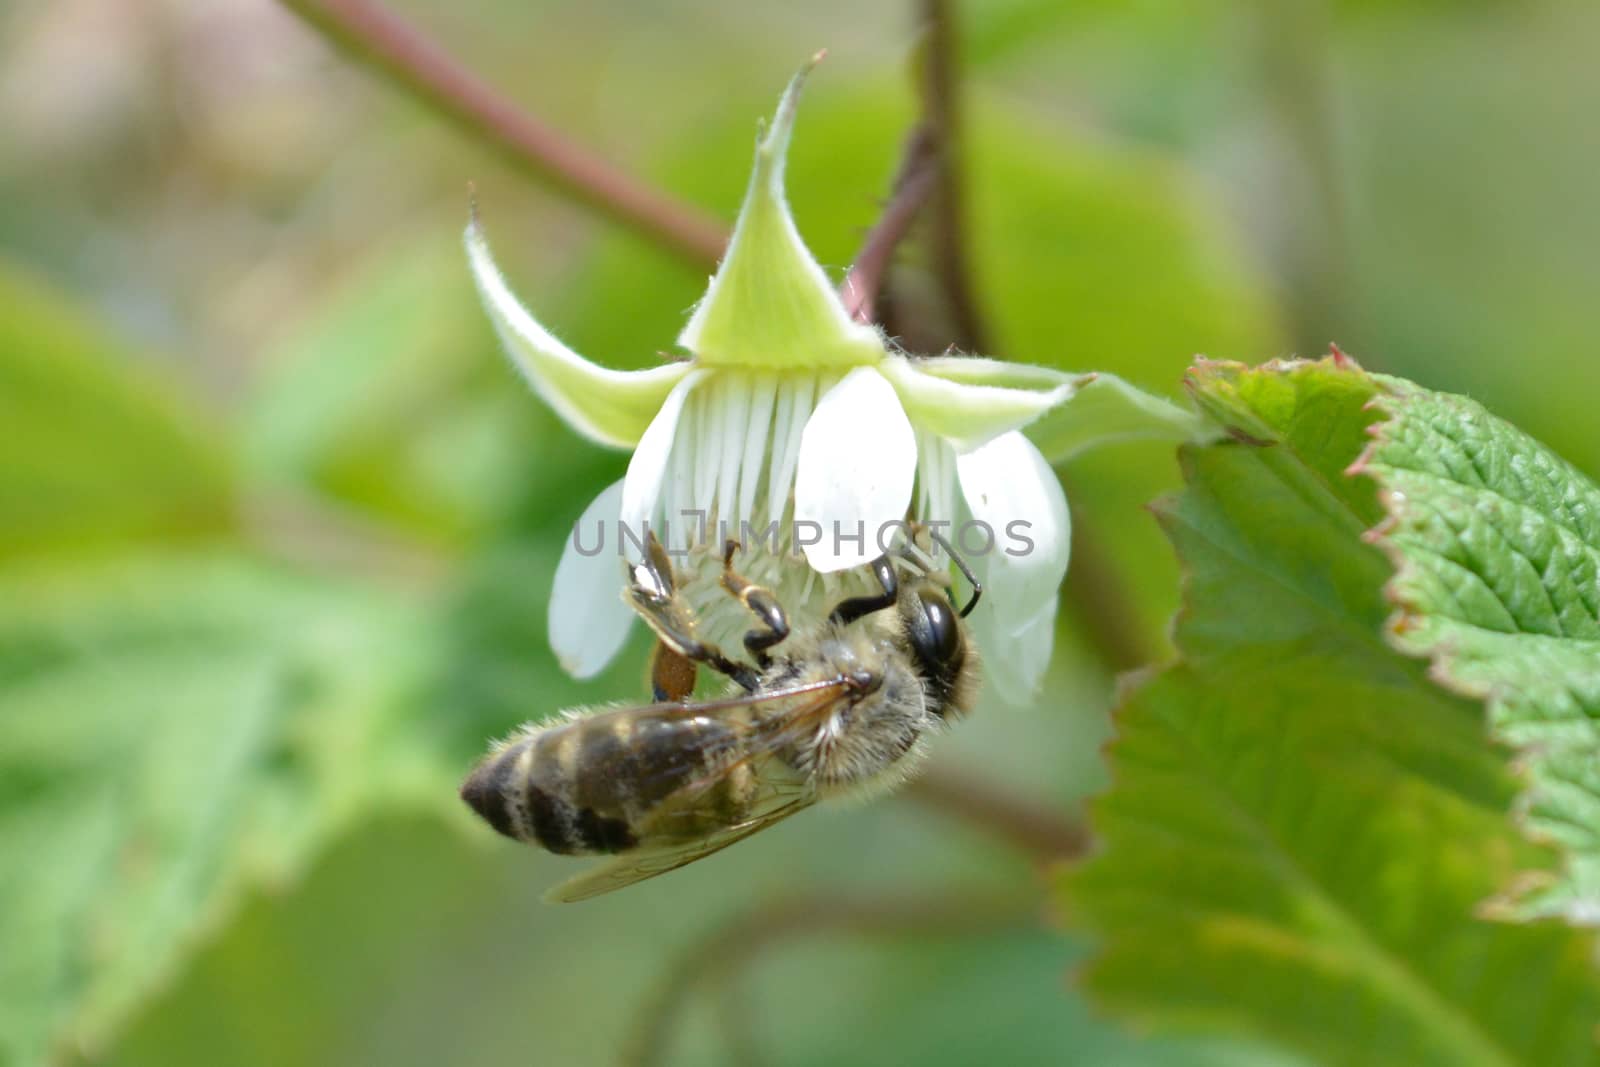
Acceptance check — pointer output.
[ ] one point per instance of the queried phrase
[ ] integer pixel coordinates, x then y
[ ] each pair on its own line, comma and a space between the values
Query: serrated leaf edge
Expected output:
1440, 656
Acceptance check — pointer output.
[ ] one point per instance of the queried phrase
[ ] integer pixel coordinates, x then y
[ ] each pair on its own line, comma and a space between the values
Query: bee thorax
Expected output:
866, 738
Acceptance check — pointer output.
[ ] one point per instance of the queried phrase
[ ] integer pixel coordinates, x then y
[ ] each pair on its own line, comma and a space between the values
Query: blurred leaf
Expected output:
496, 667
1338, 819
91, 452
457, 933
171, 730
1460, 177
1095, 256
392, 397
1496, 542
1091, 256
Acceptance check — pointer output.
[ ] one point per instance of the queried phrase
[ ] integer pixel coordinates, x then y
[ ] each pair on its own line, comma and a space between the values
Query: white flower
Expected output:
791, 413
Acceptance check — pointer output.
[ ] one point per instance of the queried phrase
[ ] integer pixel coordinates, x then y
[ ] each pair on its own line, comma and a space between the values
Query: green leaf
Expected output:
92, 452
172, 730
1496, 547
1302, 828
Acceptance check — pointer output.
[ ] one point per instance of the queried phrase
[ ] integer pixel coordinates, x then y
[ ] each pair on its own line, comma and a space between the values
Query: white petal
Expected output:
641, 488
610, 407
858, 462
962, 399
589, 621
1016, 499
1015, 658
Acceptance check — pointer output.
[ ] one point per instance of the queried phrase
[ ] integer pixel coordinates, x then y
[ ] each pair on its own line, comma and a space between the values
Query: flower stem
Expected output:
372, 34
1034, 828
919, 172
1094, 592
941, 110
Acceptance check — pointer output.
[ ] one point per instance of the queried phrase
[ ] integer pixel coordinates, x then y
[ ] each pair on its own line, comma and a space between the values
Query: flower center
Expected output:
730, 476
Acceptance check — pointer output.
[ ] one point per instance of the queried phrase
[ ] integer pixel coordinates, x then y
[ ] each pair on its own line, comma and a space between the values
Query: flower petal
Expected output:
1016, 657
589, 621
610, 407
641, 487
770, 304
1020, 512
858, 462
968, 401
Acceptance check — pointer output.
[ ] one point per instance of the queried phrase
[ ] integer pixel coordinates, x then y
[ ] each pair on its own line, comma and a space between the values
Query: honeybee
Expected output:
841, 707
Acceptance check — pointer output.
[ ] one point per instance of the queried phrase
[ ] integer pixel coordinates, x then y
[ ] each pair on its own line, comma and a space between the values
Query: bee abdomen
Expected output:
528, 791
611, 783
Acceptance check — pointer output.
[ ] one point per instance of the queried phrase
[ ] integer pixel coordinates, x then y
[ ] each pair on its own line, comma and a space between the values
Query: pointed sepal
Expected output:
770, 303
1108, 410
610, 407
970, 401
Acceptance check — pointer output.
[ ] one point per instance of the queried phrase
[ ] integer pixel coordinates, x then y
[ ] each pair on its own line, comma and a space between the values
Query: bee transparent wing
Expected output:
636, 866
749, 726
781, 792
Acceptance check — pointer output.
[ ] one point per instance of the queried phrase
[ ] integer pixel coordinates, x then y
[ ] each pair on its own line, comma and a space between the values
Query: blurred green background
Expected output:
277, 525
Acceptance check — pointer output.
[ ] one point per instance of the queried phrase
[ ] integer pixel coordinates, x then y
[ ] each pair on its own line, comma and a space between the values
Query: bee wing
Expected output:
645, 863
781, 792
689, 759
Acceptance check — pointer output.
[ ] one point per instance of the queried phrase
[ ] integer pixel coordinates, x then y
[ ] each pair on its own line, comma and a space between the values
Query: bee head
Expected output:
938, 645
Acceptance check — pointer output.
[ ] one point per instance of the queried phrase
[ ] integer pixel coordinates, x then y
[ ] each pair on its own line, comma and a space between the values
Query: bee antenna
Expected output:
961, 565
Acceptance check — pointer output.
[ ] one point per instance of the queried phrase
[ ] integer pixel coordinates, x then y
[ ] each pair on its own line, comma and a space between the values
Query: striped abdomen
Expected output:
613, 781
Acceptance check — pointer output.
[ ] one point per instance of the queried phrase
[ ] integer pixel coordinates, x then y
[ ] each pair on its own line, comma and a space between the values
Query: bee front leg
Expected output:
848, 611
653, 593
761, 603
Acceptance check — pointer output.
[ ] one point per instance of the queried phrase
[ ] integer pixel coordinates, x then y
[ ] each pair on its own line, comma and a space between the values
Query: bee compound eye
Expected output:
937, 639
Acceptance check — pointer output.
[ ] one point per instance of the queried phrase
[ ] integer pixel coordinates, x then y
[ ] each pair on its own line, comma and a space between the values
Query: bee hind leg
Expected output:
653, 593
760, 602
672, 675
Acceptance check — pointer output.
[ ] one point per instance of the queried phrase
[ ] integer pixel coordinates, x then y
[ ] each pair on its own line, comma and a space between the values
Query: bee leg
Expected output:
653, 593
966, 571
920, 558
761, 603
848, 611
672, 675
